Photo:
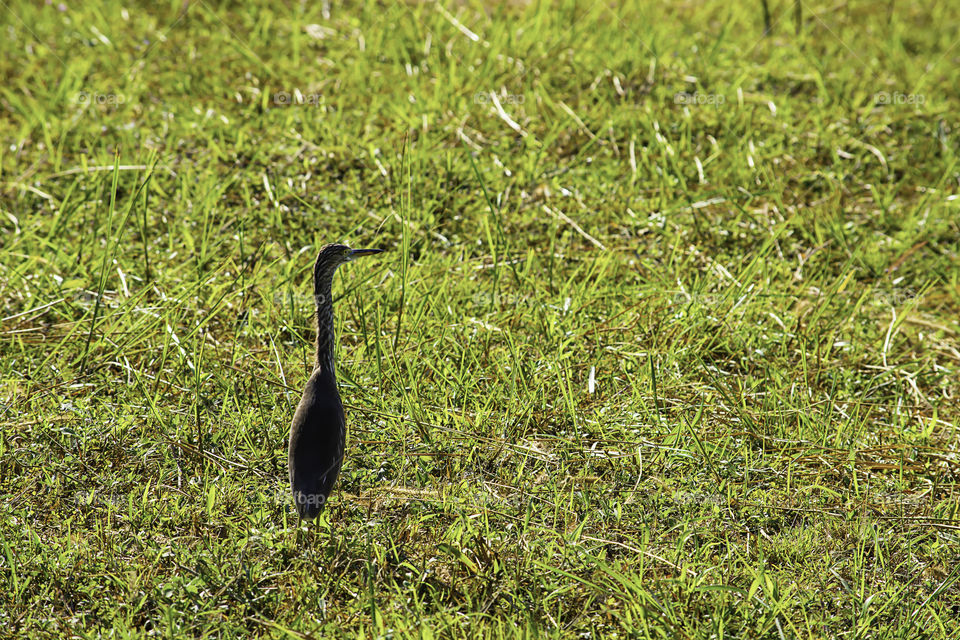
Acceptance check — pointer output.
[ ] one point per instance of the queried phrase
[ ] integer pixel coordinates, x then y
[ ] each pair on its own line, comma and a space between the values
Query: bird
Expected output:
319, 430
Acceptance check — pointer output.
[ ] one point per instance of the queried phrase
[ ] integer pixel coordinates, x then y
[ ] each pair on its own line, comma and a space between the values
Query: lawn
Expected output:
665, 342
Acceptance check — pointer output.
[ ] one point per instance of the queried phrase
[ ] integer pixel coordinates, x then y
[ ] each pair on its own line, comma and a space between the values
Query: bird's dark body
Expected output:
318, 434
317, 440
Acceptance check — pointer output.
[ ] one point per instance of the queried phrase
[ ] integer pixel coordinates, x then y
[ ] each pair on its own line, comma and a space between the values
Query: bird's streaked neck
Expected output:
323, 297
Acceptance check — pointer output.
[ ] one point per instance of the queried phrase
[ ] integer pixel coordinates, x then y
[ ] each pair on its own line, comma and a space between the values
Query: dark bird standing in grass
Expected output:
319, 430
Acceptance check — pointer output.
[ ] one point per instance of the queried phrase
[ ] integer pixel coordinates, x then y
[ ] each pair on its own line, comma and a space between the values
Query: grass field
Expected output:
665, 343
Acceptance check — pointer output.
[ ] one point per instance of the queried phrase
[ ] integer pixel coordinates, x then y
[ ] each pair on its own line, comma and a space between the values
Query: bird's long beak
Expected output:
356, 253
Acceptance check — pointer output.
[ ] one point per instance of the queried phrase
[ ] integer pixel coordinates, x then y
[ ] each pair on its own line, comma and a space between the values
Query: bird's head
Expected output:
332, 256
